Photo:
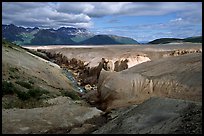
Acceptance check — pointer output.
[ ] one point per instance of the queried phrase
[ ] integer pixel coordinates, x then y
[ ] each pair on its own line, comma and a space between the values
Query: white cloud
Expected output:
41, 14
175, 28
176, 20
80, 14
99, 9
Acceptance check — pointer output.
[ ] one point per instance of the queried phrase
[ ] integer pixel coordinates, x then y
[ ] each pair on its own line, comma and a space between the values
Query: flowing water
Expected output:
72, 79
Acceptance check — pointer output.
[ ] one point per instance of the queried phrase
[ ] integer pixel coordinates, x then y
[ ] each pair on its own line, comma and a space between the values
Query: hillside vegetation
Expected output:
27, 77
197, 39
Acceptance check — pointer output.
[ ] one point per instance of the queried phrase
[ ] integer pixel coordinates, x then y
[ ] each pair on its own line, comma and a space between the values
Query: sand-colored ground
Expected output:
170, 70
169, 74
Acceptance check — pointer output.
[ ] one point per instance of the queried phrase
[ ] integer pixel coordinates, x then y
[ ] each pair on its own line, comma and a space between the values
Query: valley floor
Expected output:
158, 90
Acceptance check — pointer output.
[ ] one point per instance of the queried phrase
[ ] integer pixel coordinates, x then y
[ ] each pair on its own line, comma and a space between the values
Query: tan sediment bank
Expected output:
125, 89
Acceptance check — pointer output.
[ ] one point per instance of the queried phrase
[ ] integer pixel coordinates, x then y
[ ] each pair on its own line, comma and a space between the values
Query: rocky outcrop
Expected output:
124, 62
59, 118
116, 89
175, 77
92, 75
156, 116
121, 65
182, 52
88, 72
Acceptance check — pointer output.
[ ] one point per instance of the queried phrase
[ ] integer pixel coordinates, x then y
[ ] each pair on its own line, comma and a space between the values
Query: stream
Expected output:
72, 79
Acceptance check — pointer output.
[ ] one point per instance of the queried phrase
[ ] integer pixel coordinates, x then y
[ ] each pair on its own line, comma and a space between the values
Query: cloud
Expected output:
175, 28
188, 19
112, 21
41, 14
82, 12
176, 20
74, 7
100, 9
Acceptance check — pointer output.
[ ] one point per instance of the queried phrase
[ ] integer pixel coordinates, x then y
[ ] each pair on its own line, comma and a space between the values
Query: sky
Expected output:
142, 21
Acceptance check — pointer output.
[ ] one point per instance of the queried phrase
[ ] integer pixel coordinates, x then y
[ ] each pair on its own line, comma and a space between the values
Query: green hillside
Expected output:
197, 39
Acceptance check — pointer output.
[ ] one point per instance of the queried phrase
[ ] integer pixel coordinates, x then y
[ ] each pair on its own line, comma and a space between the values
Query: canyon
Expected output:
116, 76
124, 89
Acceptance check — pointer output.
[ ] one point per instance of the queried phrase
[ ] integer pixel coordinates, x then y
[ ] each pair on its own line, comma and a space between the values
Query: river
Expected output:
73, 80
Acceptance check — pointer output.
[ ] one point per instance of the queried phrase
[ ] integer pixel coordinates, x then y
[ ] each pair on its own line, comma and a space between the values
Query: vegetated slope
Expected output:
197, 39
11, 32
81, 37
165, 40
47, 37
108, 39
32, 90
26, 72
123, 40
18, 35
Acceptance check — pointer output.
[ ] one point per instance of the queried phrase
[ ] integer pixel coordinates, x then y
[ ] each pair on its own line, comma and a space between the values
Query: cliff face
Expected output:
121, 81
87, 72
174, 77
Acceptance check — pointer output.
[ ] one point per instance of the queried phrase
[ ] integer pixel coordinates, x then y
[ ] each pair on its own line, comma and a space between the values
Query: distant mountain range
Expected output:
109, 39
61, 36
197, 39
73, 36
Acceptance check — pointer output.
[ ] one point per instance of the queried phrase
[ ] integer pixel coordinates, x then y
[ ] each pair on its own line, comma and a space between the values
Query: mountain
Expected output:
165, 40
123, 40
12, 32
61, 36
49, 37
108, 39
197, 39
36, 36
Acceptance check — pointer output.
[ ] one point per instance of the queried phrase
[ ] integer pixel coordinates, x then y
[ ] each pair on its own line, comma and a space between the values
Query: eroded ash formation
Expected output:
83, 72
87, 75
116, 82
